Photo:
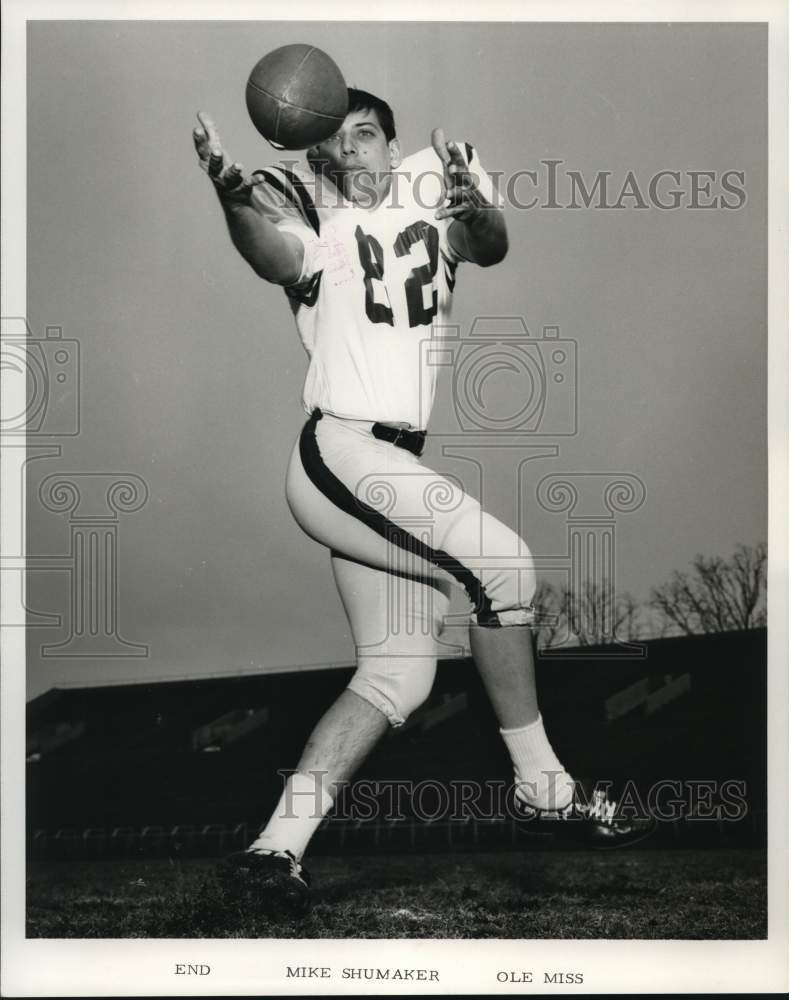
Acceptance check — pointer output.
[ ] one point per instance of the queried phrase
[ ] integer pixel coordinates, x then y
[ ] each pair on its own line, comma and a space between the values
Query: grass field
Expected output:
678, 894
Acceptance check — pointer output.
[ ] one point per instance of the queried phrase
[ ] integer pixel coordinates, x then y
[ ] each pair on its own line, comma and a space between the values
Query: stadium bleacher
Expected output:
190, 767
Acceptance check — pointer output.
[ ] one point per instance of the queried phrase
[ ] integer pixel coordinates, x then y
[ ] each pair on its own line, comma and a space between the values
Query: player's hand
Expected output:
228, 177
461, 185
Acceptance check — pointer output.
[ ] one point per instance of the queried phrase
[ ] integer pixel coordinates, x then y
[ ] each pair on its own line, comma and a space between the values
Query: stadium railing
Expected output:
339, 835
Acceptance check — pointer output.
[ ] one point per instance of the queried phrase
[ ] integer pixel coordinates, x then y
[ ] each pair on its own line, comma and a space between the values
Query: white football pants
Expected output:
400, 535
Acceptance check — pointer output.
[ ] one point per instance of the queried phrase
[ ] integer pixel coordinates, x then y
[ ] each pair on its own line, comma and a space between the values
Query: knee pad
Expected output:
395, 685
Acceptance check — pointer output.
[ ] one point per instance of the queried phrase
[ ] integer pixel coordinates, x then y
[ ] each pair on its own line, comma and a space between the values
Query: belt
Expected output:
413, 441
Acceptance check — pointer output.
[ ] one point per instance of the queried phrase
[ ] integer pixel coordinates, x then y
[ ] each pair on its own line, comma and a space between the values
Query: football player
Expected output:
366, 246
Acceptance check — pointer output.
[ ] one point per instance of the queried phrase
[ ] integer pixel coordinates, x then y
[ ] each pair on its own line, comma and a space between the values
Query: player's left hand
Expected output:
461, 185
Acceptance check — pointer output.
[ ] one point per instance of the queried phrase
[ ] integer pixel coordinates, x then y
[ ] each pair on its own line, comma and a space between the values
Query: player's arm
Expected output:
478, 232
274, 255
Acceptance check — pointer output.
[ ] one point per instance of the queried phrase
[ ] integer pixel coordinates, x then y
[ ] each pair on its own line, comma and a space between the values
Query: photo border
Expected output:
35, 967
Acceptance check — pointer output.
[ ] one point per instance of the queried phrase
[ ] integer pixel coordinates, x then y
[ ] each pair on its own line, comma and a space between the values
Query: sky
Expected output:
190, 368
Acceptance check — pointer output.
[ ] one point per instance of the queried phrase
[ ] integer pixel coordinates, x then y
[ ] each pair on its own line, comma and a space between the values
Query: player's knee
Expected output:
508, 591
395, 685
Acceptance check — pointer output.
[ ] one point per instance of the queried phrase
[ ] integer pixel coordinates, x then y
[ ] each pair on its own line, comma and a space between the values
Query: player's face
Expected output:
358, 158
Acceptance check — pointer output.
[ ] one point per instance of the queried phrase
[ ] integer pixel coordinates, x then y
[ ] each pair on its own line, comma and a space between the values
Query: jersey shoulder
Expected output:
425, 159
419, 180
288, 193
424, 172
428, 159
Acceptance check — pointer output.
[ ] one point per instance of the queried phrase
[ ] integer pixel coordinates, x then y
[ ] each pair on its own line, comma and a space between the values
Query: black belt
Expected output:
413, 441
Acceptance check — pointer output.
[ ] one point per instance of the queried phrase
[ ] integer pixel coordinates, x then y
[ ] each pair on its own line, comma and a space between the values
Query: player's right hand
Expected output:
228, 177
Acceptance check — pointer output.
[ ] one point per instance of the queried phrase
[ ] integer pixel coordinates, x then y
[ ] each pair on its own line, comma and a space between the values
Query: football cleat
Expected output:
275, 882
594, 823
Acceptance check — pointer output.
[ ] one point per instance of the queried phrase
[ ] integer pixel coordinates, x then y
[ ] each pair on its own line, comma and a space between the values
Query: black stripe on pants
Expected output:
338, 493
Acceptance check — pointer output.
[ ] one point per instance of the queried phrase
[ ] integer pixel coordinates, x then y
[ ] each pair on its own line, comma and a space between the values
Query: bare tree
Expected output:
598, 615
718, 595
547, 601
595, 617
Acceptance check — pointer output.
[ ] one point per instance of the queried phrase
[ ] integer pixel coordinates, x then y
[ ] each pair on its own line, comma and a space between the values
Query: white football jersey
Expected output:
373, 283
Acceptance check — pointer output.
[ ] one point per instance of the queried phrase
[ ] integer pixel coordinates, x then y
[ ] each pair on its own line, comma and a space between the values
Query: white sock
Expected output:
299, 813
541, 779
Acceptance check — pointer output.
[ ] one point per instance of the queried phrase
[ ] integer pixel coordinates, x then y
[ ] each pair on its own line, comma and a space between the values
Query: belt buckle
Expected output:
398, 435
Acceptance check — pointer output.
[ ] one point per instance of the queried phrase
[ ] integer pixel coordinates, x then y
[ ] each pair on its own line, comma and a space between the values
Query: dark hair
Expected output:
360, 100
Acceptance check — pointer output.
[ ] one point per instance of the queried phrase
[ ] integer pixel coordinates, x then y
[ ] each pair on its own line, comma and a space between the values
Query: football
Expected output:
296, 96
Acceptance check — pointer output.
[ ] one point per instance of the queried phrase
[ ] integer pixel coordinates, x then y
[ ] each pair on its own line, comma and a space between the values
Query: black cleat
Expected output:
274, 882
594, 823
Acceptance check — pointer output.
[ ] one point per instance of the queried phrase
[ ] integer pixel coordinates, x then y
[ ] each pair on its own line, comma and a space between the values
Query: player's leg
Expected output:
394, 621
381, 500
342, 739
389, 505
501, 635
504, 658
